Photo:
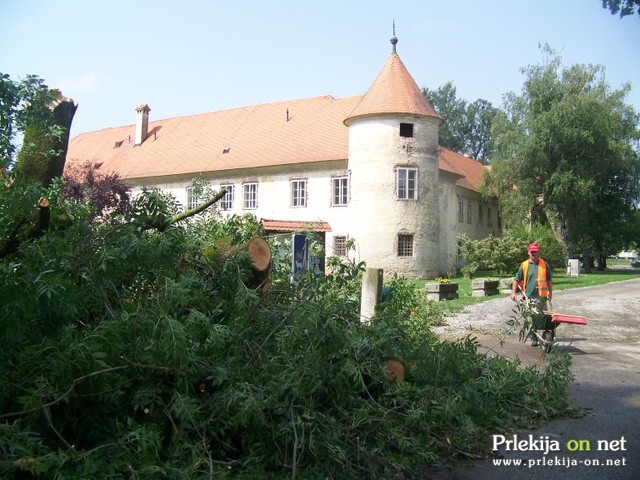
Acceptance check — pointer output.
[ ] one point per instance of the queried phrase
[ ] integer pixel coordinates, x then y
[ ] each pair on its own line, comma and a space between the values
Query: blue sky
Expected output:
196, 56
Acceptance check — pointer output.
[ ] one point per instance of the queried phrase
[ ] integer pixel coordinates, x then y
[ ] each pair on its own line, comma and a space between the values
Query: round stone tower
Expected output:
393, 166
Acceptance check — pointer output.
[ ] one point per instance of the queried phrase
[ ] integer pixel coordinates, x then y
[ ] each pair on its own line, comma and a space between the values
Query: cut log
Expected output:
260, 253
394, 370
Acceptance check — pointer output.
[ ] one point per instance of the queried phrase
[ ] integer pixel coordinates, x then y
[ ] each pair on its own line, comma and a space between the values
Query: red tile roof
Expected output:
280, 133
393, 91
470, 170
294, 226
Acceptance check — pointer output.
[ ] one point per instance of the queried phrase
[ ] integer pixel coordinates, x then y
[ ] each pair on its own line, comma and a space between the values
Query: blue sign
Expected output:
300, 261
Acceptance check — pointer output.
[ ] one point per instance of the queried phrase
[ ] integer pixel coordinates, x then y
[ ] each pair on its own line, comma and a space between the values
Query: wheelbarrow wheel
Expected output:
547, 340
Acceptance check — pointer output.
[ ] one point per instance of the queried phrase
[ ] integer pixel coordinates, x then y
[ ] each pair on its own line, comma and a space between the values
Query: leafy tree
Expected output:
478, 143
625, 7
44, 118
46, 137
105, 192
467, 126
18, 106
503, 253
566, 154
452, 110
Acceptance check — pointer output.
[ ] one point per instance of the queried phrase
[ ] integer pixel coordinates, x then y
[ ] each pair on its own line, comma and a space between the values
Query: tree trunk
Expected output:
43, 155
259, 251
587, 261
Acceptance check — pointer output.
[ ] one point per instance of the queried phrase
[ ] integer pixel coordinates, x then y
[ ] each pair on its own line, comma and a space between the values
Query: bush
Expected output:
504, 253
554, 252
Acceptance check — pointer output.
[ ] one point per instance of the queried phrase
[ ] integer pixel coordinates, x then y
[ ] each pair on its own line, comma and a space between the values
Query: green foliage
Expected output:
519, 237
566, 155
452, 110
407, 302
529, 315
22, 103
503, 253
476, 254
624, 7
44, 117
467, 126
128, 353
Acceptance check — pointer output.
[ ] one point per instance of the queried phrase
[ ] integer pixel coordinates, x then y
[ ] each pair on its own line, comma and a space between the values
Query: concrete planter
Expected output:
442, 291
506, 284
483, 288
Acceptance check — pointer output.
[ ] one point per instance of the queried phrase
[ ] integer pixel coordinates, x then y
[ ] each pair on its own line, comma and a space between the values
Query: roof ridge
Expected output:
231, 109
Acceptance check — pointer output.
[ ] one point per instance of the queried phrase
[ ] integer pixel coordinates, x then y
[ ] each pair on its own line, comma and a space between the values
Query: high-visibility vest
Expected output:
543, 285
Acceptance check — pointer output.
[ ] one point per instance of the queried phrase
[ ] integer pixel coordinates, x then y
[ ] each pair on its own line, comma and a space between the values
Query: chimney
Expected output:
142, 123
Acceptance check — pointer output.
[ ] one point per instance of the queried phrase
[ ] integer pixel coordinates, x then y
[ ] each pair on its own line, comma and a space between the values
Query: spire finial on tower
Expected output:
394, 39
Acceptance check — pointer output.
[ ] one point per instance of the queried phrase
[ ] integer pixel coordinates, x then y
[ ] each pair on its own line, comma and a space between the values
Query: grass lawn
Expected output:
561, 281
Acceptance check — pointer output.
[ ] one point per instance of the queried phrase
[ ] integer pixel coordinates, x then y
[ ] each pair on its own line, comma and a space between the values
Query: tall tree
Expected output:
467, 126
22, 103
478, 140
46, 137
43, 117
566, 153
624, 7
452, 110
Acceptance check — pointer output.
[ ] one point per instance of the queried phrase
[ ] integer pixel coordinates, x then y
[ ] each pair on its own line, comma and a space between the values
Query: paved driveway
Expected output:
605, 443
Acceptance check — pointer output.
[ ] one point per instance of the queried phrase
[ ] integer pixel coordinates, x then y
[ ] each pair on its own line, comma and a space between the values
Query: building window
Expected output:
480, 215
406, 183
250, 195
192, 199
298, 193
340, 191
405, 245
468, 212
227, 201
406, 130
460, 211
340, 246
489, 222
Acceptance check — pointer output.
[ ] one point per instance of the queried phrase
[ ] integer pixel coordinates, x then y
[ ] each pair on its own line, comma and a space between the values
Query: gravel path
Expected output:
606, 366
612, 310
488, 317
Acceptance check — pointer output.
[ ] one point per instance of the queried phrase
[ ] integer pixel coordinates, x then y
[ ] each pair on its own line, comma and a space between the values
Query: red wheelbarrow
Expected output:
551, 321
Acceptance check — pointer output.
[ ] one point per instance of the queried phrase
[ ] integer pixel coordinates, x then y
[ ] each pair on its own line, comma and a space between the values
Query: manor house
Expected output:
366, 168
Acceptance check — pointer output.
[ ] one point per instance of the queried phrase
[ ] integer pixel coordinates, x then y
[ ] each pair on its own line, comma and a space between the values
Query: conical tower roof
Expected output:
393, 91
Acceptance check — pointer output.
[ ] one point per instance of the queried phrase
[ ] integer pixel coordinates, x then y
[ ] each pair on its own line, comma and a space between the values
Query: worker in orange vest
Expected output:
534, 279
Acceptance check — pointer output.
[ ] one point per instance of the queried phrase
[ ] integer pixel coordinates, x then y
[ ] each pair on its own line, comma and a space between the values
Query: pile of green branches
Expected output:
129, 353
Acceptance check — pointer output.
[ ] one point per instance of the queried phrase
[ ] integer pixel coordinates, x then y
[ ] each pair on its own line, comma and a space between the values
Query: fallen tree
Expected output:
128, 352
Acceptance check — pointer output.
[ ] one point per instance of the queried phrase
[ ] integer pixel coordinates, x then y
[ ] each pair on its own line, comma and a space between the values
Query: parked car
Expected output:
628, 255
